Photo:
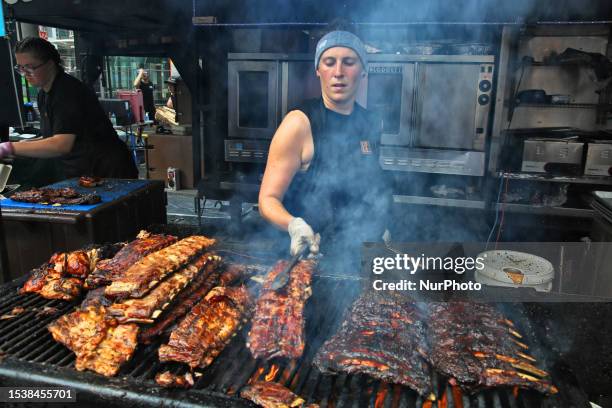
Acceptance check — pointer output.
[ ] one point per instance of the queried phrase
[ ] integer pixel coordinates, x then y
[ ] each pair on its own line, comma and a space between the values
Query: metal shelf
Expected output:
443, 202
540, 210
564, 105
603, 180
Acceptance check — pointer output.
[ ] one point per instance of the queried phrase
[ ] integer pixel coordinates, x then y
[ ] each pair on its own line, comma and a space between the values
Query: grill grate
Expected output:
29, 351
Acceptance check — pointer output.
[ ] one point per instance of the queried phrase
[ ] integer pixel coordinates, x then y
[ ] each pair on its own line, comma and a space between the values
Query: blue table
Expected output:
33, 232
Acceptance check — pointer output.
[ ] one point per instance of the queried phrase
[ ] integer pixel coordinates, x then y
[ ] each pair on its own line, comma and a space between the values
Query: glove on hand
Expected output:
6, 149
302, 236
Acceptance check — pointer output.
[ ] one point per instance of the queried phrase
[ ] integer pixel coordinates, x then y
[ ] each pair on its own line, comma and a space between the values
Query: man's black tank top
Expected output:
344, 193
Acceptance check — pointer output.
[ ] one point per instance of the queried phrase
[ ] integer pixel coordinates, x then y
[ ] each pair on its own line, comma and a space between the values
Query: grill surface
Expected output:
30, 356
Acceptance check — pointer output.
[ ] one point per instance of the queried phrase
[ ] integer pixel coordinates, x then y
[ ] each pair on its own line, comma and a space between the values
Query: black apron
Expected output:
344, 194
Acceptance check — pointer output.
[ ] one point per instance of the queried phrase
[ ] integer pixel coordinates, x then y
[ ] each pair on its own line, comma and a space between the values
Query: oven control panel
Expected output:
467, 163
246, 151
483, 102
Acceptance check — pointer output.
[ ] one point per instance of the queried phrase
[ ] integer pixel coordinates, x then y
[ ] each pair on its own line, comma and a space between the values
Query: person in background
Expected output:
171, 102
144, 83
322, 172
74, 127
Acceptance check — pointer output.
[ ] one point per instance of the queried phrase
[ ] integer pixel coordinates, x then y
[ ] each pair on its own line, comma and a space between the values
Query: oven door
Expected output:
450, 111
252, 99
389, 95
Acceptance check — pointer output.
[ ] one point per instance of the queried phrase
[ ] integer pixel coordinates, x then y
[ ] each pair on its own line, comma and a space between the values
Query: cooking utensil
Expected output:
282, 278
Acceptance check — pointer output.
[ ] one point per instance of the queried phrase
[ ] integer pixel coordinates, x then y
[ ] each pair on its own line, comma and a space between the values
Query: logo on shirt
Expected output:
365, 147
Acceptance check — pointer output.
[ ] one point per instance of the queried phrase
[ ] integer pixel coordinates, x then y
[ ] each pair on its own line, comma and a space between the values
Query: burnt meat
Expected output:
473, 344
383, 336
278, 323
142, 276
207, 328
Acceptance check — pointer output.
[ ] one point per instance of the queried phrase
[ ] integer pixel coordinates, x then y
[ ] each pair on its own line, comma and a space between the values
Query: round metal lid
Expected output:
517, 268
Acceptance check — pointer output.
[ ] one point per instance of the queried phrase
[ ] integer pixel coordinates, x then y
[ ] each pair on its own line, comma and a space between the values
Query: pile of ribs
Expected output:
149, 279
397, 340
278, 324
57, 196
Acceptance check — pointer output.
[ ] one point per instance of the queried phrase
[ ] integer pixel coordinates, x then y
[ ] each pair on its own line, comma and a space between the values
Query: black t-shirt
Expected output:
71, 108
147, 97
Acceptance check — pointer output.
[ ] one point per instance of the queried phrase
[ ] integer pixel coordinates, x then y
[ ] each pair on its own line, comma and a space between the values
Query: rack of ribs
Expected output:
81, 331
278, 324
478, 347
208, 327
116, 348
149, 307
273, 395
185, 301
142, 276
144, 244
99, 343
382, 336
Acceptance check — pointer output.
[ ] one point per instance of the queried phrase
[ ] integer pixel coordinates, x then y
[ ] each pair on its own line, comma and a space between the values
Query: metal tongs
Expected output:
282, 278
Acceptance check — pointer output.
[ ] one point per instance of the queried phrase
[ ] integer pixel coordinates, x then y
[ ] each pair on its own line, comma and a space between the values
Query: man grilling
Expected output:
322, 172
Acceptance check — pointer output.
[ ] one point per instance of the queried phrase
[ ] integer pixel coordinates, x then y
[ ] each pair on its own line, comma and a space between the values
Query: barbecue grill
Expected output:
30, 357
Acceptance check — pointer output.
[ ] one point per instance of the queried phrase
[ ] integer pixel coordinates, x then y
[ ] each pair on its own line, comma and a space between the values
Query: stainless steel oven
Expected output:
262, 88
252, 101
435, 111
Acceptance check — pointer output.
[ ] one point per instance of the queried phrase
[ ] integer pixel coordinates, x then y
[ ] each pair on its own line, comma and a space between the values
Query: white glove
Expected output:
302, 235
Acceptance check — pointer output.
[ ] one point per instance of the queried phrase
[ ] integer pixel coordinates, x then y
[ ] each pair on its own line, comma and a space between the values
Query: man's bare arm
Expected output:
284, 160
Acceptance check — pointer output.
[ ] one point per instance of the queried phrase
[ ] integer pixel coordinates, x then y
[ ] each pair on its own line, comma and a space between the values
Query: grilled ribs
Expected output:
278, 324
183, 303
146, 309
382, 336
141, 277
273, 395
474, 345
98, 342
208, 327
143, 245
81, 331
116, 348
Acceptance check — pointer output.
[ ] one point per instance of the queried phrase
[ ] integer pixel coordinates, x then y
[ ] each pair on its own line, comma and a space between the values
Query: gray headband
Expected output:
341, 39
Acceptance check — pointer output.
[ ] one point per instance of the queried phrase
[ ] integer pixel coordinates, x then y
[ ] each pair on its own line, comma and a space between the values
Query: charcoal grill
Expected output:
31, 357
